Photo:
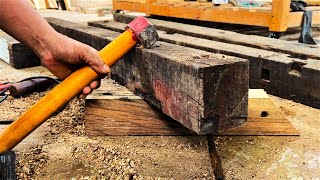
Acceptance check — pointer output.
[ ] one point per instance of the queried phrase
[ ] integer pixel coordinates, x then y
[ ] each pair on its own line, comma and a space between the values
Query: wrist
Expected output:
48, 45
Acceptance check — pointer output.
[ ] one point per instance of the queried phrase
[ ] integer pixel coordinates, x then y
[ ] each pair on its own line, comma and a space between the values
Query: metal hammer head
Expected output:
144, 31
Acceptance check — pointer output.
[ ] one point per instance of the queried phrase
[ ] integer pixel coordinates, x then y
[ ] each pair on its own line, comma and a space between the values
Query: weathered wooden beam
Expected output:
277, 73
294, 49
111, 111
16, 54
205, 92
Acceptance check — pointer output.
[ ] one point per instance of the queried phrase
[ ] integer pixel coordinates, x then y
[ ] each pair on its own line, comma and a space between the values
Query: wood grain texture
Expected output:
205, 92
51, 4
278, 73
108, 113
294, 49
7, 166
128, 117
279, 15
16, 54
275, 122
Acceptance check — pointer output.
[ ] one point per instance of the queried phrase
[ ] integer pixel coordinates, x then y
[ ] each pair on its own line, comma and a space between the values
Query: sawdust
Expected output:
59, 148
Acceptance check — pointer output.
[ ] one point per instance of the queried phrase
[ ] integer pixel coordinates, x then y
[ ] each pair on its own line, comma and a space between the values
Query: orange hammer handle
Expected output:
63, 93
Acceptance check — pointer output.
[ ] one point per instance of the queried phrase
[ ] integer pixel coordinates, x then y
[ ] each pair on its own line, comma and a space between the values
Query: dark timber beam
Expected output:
277, 73
16, 54
293, 49
206, 92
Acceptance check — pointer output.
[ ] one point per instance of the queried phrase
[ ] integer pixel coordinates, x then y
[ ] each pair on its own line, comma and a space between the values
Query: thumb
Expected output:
92, 58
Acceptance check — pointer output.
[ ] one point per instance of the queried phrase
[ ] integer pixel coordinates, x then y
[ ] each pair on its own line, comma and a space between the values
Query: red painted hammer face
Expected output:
144, 31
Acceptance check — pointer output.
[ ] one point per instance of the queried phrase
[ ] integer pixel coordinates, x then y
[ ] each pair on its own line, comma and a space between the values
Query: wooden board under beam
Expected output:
206, 92
16, 54
111, 111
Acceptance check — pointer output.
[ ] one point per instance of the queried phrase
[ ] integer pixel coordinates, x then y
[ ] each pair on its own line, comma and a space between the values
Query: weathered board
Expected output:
128, 116
117, 111
111, 111
277, 73
7, 166
16, 54
276, 45
205, 92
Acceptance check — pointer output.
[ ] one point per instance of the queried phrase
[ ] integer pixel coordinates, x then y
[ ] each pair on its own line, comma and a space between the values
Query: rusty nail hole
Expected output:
264, 114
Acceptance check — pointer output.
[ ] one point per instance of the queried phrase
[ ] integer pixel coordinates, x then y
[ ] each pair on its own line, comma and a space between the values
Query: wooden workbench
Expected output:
277, 17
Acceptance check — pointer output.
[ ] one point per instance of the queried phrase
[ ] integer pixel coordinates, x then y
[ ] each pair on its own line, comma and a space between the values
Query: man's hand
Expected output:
60, 54
65, 55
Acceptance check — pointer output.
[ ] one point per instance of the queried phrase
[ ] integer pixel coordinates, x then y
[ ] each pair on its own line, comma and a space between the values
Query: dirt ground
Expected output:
59, 149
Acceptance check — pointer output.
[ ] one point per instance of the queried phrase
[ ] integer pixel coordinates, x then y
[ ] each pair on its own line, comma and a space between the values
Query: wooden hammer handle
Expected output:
63, 93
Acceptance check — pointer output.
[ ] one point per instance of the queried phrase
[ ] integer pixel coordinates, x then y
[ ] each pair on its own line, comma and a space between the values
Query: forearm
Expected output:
19, 19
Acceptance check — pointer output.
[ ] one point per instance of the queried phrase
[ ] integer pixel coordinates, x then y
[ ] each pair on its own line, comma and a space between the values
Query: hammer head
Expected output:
144, 31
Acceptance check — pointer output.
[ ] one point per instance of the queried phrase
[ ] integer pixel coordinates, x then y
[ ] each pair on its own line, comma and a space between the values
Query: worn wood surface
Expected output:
277, 73
113, 111
16, 54
205, 92
126, 116
7, 166
276, 45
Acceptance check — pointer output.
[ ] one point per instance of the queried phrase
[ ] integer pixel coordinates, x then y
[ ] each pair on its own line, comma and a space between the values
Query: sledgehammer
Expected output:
138, 31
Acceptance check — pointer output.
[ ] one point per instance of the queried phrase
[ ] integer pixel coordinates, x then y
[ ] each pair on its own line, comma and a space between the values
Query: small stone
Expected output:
26, 170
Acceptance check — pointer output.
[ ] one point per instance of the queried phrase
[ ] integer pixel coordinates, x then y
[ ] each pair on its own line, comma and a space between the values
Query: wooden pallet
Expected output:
277, 18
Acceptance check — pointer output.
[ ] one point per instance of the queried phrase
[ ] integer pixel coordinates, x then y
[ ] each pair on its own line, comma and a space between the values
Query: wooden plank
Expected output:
68, 5
119, 112
294, 49
206, 92
107, 114
205, 13
51, 4
212, 14
134, 1
40, 4
295, 18
126, 116
7, 165
278, 73
279, 15
136, 7
15, 54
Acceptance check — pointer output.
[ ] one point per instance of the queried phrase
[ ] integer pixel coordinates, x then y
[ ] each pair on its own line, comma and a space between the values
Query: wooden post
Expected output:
279, 15
7, 166
148, 4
